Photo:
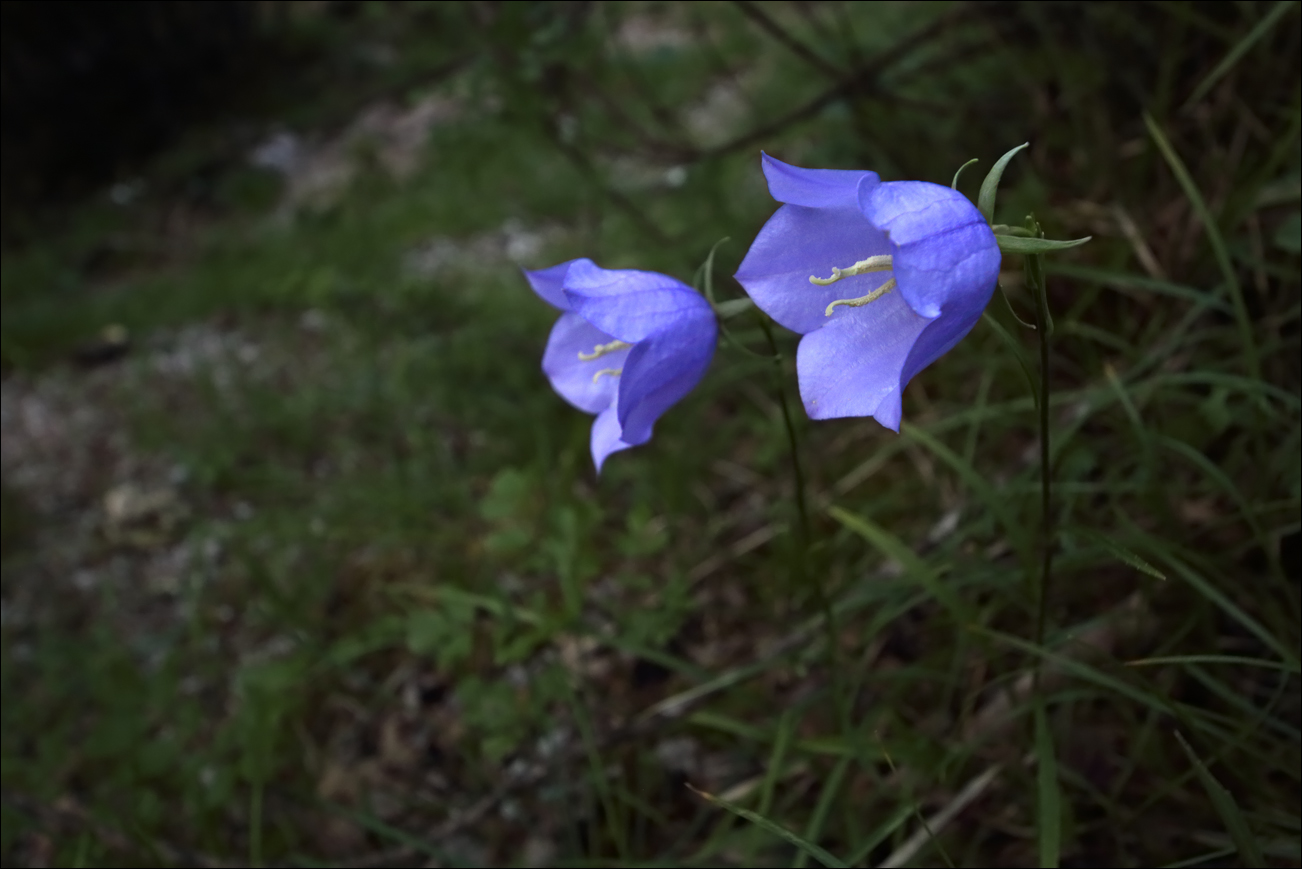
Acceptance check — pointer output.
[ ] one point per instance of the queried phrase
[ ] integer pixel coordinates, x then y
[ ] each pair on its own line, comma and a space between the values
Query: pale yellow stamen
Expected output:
863, 300
863, 267
613, 372
602, 349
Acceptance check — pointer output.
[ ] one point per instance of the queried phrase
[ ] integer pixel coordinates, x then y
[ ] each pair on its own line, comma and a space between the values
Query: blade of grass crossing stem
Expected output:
973, 480
1049, 797
1241, 48
1219, 250
825, 800
1227, 808
781, 832
893, 548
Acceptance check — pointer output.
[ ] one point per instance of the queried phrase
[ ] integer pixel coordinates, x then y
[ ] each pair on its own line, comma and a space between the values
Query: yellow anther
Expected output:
613, 372
602, 349
863, 300
863, 267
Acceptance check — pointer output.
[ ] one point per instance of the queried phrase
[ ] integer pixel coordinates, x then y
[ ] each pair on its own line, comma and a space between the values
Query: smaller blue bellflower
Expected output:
881, 279
628, 345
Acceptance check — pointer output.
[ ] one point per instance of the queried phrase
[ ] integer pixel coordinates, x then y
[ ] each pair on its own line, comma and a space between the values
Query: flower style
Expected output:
881, 279
627, 347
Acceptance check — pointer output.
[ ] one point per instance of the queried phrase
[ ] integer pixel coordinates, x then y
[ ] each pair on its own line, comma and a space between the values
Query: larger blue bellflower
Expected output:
628, 345
879, 278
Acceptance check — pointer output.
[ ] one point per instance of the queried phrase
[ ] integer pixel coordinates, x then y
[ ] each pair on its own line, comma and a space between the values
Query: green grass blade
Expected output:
1231, 609
1214, 238
881, 834
781, 832
1122, 554
777, 760
892, 547
974, 481
825, 800
1237, 660
1241, 48
1049, 797
1227, 808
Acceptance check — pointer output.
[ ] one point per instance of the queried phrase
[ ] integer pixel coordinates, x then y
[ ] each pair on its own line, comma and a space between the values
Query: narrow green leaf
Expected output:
1049, 812
1009, 304
1238, 660
825, 800
954, 184
1214, 238
1019, 244
1219, 598
1122, 554
881, 834
781, 832
1241, 48
893, 548
990, 186
786, 732
994, 502
1227, 808
1029, 371
707, 270
1009, 229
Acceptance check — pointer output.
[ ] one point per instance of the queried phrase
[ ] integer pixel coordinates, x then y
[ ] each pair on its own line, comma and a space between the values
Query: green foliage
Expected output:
398, 610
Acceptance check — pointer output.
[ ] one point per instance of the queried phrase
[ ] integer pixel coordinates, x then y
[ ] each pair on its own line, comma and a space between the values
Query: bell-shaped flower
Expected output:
628, 345
879, 278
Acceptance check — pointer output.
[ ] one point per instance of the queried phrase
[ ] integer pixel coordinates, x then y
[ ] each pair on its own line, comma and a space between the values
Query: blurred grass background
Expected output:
305, 564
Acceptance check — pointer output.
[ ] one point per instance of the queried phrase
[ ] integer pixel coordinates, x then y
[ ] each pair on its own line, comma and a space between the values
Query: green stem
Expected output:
804, 535
1043, 331
790, 424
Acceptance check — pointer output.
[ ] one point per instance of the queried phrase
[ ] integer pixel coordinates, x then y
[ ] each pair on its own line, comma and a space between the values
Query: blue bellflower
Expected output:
880, 279
627, 347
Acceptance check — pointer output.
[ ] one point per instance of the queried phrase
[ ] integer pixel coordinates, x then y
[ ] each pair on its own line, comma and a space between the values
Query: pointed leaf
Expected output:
990, 186
1017, 244
954, 184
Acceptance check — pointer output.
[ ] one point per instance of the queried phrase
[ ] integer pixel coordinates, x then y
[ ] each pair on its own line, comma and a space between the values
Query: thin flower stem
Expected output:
790, 425
1044, 332
804, 538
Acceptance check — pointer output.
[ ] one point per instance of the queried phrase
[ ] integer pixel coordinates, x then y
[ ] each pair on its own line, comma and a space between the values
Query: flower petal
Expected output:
571, 377
814, 188
547, 283
630, 304
798, 242
606, 437
661, 370
852, 366
944, 252
939, 338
